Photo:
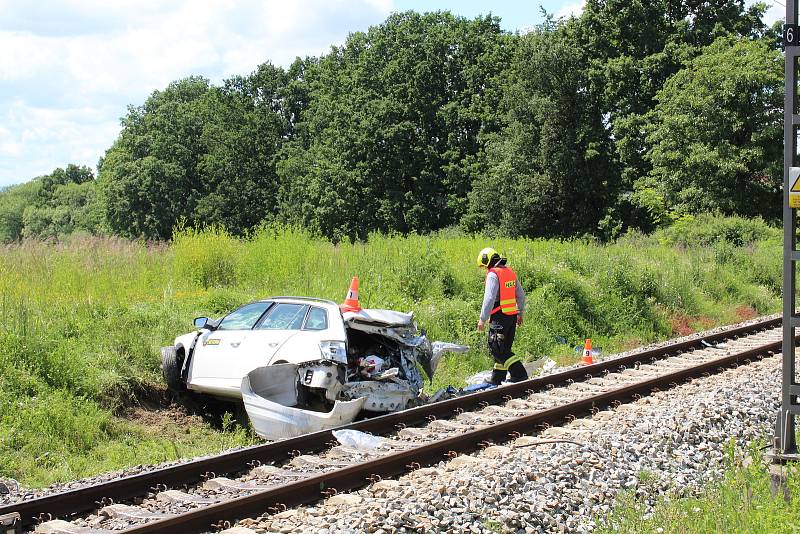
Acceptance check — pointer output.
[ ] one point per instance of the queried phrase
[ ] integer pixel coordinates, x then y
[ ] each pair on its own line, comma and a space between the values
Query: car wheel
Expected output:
171, 363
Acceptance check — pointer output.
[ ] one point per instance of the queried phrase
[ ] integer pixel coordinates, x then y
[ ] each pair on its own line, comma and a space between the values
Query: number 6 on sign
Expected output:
790, 34
794, 187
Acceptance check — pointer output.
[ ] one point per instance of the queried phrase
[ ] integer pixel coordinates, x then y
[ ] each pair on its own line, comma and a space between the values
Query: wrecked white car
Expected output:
301, 365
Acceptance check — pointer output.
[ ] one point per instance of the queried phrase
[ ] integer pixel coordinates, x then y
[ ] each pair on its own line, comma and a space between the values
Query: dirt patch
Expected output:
167, 422
706, 323
124, 396
745, 312
680, 324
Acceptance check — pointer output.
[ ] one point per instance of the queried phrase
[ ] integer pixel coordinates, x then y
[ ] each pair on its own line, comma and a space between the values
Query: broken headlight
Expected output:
334, 351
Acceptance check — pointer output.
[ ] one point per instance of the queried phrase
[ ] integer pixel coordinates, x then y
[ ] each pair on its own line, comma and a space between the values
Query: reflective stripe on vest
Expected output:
508, 290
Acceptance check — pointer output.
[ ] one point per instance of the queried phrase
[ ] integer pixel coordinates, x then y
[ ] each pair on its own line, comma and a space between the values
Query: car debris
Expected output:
356, 439
301, 364
542, 366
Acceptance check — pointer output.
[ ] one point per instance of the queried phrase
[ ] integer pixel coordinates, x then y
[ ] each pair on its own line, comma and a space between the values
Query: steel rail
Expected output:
321, 486
84, 499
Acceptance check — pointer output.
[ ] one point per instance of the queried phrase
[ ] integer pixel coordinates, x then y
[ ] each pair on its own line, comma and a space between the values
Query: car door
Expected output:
281, 324
322, 325
219, 359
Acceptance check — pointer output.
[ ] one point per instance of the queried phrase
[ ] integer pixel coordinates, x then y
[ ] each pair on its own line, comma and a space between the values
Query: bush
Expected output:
207, 257
706, 230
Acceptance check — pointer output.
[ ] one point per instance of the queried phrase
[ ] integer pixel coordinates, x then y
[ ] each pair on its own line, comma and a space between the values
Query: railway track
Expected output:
275, 476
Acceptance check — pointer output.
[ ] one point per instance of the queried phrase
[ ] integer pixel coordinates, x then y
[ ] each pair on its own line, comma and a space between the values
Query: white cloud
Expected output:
69, 68
775, 12
571, 10
40, 139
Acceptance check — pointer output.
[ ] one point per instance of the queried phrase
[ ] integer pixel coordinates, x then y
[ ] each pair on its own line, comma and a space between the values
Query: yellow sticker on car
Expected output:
214, 341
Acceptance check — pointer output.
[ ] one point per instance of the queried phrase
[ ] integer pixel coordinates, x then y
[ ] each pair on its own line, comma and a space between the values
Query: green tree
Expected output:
250, 122
632, 47
13, 201
716, 132
199, 154
52, 205
395, 126
550, 171
149, 176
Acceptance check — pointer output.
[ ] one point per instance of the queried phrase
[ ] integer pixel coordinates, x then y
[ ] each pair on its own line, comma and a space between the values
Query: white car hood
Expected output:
378, 317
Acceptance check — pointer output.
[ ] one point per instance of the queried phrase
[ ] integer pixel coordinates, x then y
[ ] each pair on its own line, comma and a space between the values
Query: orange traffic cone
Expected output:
350, 303
586, 359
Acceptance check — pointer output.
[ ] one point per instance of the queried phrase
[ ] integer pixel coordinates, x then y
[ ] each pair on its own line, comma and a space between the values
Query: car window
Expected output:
317, 319
284, 317
244, 318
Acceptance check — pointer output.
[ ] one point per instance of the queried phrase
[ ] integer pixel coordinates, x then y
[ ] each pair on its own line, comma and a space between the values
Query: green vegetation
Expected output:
373, 160
81, 321
630, 116
741, 502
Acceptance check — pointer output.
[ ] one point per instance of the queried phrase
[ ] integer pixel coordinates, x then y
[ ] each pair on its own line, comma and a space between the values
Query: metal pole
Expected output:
785, 428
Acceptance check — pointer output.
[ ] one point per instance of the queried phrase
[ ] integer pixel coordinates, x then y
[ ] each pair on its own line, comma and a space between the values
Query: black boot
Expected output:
517, 372
498, 376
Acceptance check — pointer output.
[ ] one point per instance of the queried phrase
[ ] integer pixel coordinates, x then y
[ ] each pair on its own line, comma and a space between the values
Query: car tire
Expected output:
171, 363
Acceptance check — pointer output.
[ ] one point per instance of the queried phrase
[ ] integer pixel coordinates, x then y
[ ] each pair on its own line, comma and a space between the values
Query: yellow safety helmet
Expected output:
485, 256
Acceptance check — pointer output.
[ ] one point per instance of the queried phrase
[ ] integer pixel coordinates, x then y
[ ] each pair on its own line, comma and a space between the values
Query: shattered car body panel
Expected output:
270, 395
300, 365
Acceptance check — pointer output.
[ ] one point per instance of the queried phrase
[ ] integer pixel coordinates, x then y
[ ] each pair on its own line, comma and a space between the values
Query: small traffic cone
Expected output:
350, 303
586, 359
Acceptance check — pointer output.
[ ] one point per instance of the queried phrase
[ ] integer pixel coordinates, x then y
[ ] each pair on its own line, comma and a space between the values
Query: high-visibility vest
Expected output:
507, 296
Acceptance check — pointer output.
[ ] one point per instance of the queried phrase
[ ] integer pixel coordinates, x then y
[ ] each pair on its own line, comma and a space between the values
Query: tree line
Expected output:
631, 115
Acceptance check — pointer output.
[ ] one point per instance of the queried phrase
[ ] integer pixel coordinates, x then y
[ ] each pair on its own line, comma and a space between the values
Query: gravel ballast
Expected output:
670, 442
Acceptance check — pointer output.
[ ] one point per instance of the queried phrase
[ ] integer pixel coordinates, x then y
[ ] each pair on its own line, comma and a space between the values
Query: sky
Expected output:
70, 68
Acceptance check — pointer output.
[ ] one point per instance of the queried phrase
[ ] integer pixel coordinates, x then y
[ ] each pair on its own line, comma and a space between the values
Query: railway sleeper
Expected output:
641, 373
129, 513
181, 497
340, 452
503, 411
59, 526
306, 460
444, 424
569, 395
694, 357
271, 472
230, 485
587, 386
238, 530
475, 420
535, 401
419, 434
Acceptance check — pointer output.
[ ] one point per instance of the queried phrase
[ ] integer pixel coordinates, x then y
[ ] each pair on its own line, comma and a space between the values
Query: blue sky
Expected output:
70, 68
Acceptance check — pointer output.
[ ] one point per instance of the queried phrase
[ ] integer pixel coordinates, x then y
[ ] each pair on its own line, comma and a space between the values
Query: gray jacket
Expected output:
491, 293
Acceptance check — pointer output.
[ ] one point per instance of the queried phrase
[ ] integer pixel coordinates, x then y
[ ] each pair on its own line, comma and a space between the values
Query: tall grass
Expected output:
81, 321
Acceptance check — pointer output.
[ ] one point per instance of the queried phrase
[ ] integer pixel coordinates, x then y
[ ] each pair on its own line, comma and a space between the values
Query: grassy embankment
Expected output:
741, 502
81, 321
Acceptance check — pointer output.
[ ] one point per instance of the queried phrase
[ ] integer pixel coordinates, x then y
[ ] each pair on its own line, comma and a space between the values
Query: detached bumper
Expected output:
269, 394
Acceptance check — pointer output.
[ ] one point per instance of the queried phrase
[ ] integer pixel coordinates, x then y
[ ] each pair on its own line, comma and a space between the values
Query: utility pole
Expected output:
785, 445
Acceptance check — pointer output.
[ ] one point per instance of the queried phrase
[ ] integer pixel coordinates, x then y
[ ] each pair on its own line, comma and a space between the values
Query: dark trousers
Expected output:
502, 329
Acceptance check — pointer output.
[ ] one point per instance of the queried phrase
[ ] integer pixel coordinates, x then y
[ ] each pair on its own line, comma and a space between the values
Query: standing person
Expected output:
503, 306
